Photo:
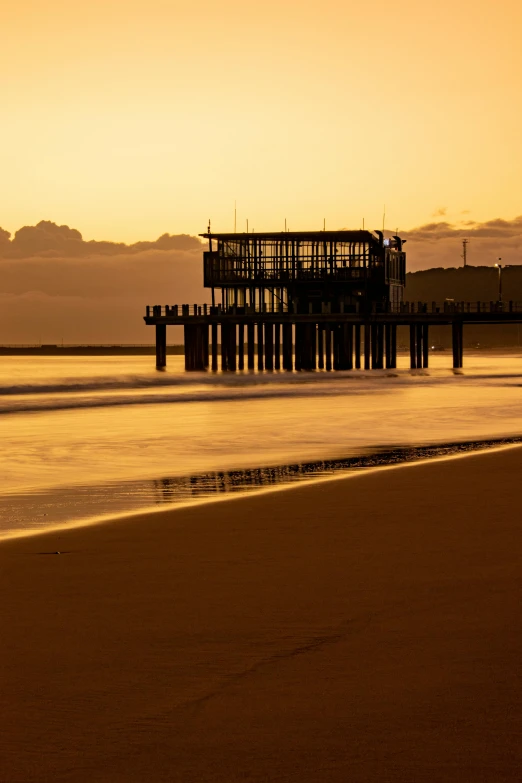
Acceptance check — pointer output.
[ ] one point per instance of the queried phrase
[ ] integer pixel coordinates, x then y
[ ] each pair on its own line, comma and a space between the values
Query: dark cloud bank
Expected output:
55, 286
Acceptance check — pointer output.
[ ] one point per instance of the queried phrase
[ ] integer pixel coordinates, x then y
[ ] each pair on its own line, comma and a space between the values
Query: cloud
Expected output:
491, 228
49, 240
440, 212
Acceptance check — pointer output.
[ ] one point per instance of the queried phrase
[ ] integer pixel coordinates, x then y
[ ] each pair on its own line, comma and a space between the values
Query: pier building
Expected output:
305, 272
310, 300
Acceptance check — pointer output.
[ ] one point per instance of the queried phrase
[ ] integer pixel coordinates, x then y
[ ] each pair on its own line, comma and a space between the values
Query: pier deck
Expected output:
316, 340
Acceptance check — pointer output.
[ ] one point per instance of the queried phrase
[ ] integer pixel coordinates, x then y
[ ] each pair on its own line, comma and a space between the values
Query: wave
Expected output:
233, 381
199, 387
74, 402
87, 385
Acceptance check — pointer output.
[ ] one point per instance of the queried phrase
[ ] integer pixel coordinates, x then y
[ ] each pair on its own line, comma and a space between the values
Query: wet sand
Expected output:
361, 629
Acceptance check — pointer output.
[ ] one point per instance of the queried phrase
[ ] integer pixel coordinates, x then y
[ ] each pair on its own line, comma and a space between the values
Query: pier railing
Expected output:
414, 308
181, 311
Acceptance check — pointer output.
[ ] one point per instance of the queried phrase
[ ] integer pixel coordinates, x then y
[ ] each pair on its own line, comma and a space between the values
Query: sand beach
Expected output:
364, 629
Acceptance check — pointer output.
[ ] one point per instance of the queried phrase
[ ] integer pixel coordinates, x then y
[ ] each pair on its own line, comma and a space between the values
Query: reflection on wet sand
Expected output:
181, 488
61, 506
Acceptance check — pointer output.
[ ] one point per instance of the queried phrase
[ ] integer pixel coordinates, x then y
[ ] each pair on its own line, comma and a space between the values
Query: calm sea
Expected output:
88, 437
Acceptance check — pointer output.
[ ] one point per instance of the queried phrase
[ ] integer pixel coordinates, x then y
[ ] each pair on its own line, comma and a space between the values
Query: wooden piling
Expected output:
192, 341
277, 346
260, 347
413, 350
380, 346
251, 340
367, 346
425, 345
241, 346
393, 349
196, 347
357, 340
224, 346
320, 346
328, 347
284, 346
457, 335
232, 348
269, 346
298, 346
214, 333
373, 338
206, 347
455, 345
419, 341
312, 343
187, 347
161, 346
288, 358
199, 348
336, 345
387, 340
344, 346
348, 347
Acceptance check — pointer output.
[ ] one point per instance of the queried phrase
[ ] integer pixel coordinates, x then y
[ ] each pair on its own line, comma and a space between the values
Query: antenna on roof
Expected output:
208, 229
247, 225
324, 224
285, 225
383, 216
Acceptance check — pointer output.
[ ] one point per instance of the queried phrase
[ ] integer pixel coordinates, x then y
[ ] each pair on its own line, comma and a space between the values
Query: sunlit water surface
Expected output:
88, 436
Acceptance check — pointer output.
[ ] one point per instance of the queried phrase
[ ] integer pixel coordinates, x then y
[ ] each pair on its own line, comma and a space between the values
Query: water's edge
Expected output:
45, 510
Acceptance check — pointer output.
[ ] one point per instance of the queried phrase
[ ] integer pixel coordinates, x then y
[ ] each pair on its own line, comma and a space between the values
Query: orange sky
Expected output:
129, 119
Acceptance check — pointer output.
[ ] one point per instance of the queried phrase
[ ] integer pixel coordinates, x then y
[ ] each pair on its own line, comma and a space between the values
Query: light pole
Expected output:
499, 267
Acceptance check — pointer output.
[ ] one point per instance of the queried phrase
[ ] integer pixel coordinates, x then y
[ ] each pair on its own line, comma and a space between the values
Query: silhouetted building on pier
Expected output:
306, 271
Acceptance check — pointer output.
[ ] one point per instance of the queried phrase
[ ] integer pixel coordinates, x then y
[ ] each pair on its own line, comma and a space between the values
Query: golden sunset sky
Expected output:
129, 119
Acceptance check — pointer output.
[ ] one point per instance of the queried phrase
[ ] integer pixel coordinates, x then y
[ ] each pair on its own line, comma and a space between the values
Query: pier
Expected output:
235, 339
311, 300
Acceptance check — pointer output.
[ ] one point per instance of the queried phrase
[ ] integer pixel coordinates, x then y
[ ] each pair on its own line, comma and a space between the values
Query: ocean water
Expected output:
84, 437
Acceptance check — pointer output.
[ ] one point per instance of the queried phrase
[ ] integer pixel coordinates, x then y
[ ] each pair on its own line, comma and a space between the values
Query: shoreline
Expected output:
309, 473
362, 628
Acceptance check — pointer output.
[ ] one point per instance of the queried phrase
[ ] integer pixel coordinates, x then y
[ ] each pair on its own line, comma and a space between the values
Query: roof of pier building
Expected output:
343, 235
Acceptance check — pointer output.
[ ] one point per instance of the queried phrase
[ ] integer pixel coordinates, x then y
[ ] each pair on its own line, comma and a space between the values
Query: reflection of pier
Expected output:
311, 300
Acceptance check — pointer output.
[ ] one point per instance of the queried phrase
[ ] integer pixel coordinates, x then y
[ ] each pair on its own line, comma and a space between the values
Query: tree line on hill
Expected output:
466, 284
